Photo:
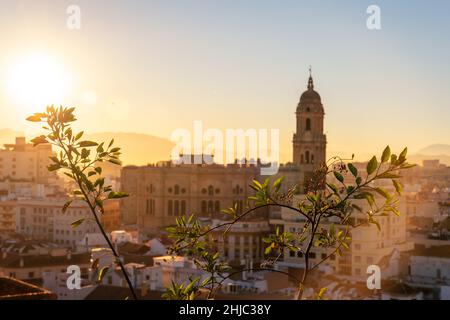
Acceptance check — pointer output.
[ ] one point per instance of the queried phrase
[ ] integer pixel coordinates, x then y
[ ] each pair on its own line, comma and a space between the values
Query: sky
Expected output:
156, 66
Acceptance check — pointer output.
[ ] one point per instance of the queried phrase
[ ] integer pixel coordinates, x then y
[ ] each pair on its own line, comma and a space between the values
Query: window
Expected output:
292, 254
358, 271
177, 207
210, 206
357, 246
312, 255
204, 206
307, 156
183, 207
150, 207
217, 206
177, 189
210, 190
369, 260
308, 124
357, 259
170, 207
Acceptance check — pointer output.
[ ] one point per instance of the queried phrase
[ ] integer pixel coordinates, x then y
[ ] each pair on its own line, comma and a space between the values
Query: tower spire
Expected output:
310, 80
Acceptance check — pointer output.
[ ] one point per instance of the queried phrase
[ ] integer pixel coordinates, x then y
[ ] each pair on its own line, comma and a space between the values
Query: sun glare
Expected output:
37, 80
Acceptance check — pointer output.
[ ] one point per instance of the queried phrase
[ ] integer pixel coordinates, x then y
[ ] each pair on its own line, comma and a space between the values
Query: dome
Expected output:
310, 99
310, 94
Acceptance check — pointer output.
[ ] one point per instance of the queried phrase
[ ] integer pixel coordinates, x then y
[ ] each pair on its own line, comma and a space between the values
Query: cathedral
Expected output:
309, 141
159, 193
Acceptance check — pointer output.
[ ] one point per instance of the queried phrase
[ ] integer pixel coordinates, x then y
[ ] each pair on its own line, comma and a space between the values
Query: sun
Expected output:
36, 80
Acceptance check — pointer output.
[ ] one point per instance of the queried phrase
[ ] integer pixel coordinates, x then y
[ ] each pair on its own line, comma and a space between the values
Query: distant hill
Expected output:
435, 149
137, 148
431, 152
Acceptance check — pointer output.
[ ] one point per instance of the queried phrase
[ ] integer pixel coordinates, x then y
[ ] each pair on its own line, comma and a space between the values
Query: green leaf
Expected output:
87, 144
39, 140
76, 223
398, 187
54, 167
34, 118
115, 161
338, 176
333, 187
102, 273
353, 169
387, 175
117, 195
277, 184
79, 135
383, 193
386, 154
372, 165
66, 206
402, 156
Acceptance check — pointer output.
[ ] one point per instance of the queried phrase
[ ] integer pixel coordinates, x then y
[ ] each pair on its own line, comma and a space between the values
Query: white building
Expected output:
430, 269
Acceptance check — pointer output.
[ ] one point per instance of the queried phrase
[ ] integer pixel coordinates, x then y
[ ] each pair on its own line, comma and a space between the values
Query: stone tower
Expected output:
309, 141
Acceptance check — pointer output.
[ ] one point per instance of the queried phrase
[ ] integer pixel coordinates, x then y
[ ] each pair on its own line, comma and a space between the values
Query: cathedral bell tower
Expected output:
309, 141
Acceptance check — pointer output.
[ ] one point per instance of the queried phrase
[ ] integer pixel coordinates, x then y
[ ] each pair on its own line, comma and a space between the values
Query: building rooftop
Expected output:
435, 251
15, 261
13, 289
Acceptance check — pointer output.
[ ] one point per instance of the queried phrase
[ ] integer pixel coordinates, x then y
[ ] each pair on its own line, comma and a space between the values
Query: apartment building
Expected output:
21, 161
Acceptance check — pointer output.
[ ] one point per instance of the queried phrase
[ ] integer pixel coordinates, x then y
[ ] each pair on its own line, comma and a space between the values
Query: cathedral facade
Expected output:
159, 193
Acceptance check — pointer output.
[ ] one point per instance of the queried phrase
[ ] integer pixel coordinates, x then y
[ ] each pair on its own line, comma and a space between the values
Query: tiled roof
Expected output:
13, 289
133, 248
13, 260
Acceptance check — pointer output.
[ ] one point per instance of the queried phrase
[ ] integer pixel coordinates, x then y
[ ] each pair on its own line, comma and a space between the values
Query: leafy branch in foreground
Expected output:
327, 211
79, 160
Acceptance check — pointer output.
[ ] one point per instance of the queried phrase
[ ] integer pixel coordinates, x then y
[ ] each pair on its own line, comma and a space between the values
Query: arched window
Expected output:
307, 156
312, 159
210, 190
308, 124
177, 189
170, 207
